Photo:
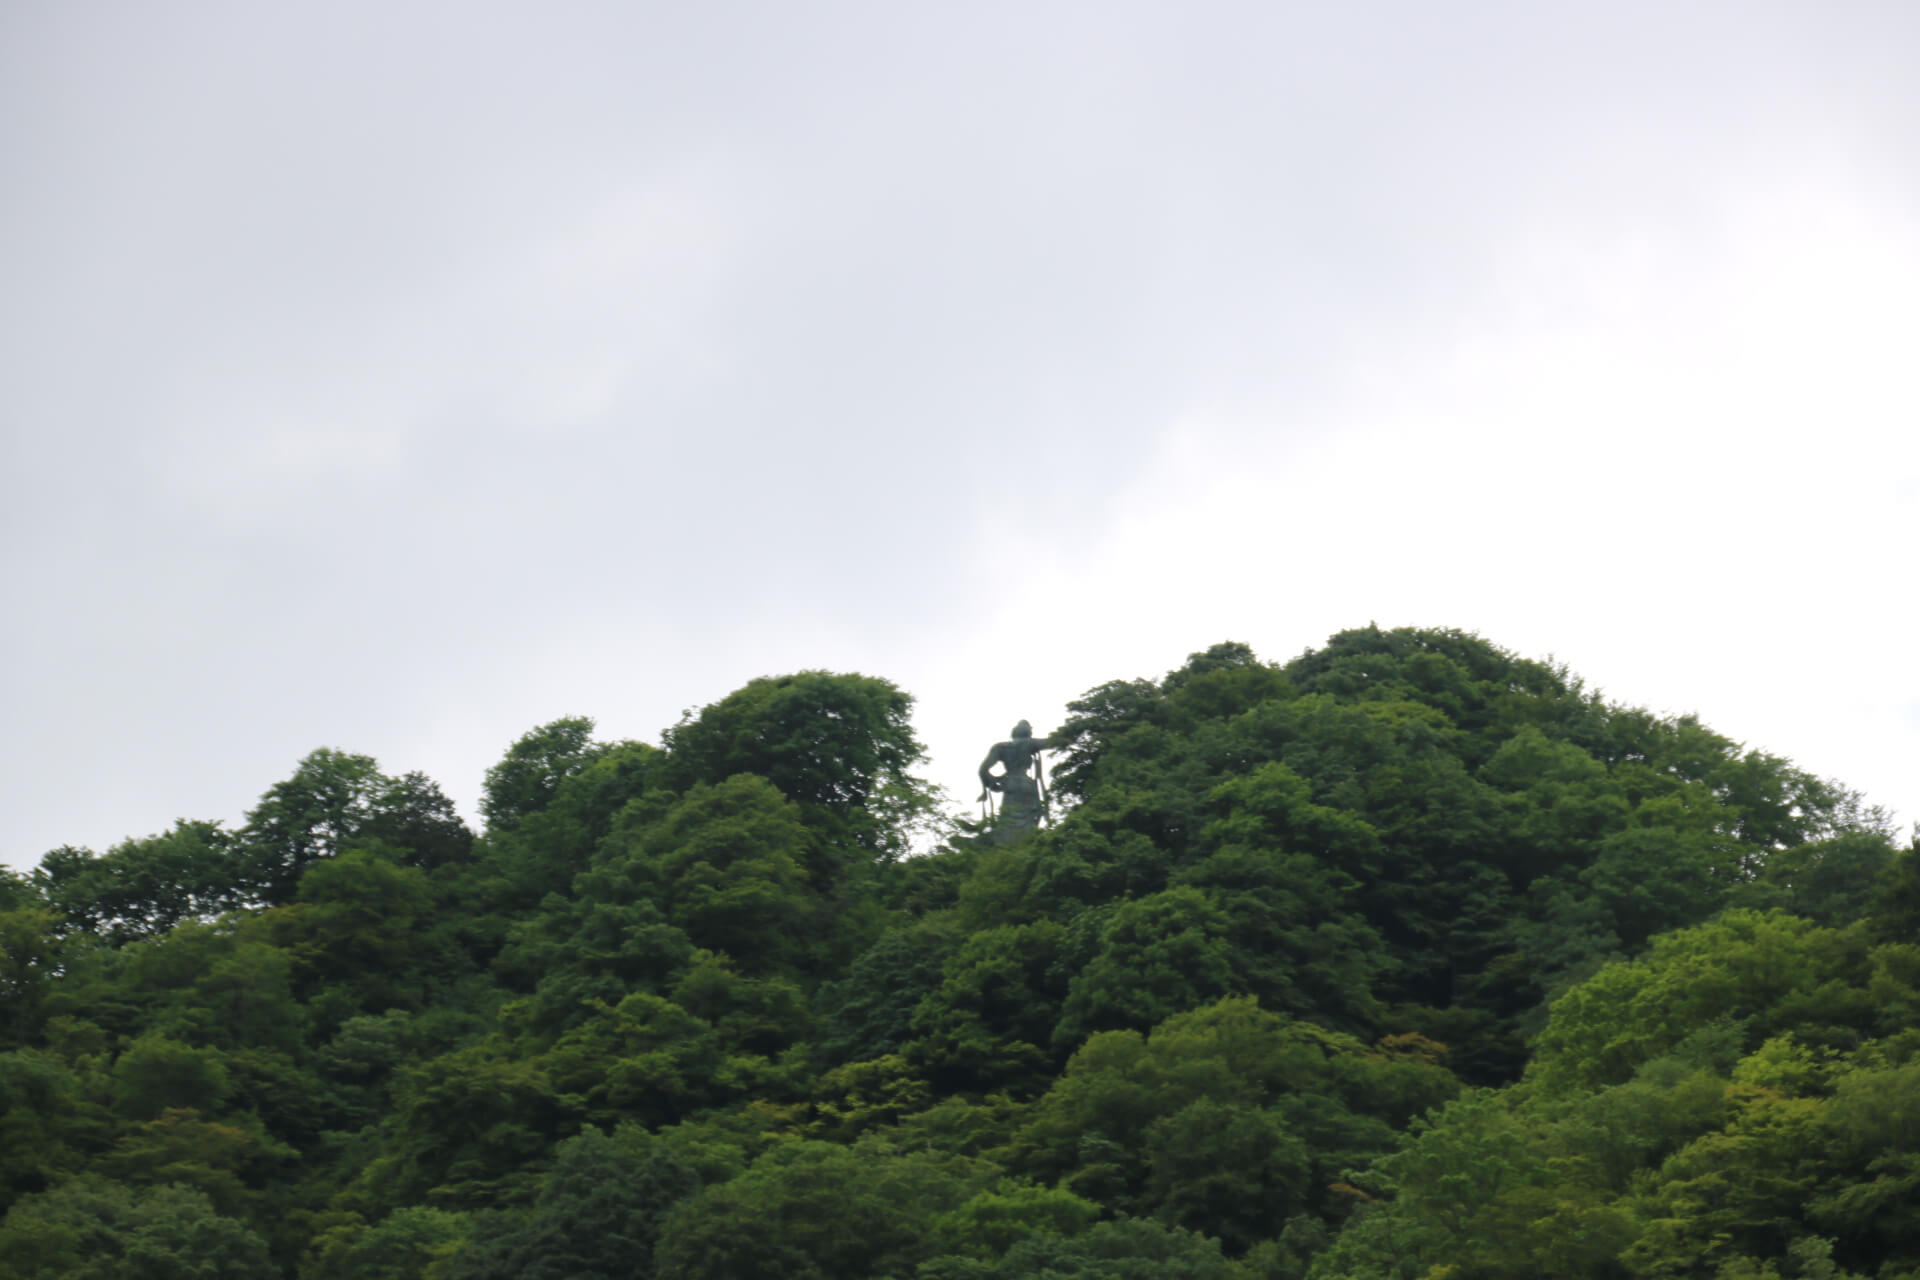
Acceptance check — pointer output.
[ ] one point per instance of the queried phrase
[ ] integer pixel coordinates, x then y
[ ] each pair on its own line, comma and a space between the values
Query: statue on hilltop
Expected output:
1023, 799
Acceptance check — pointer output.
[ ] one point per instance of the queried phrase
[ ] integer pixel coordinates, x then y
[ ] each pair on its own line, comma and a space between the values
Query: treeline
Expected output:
1406, 958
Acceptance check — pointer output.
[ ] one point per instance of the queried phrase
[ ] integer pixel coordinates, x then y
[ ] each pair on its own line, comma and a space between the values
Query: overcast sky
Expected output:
398, 377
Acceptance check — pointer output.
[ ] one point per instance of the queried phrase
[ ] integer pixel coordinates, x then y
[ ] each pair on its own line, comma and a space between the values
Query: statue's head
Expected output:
1023, 730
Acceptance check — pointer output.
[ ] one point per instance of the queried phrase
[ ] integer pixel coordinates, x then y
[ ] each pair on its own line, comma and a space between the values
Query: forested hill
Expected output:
1406, 958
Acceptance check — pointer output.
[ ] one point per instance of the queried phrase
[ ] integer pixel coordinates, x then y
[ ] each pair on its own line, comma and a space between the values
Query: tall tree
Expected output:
840, 746
310, 816
529, 776
332, 799
142, 888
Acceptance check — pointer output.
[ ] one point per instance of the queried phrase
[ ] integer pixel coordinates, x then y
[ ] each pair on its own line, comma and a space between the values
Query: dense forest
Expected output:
1405, 958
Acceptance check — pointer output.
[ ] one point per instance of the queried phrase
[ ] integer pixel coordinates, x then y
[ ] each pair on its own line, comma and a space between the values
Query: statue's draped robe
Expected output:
1020, 795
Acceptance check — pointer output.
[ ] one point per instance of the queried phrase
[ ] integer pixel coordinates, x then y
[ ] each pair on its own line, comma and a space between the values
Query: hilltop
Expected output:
1405, 957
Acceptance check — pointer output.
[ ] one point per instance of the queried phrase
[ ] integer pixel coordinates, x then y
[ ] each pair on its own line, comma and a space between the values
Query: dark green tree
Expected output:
312, 815
726, 864
840, 746
989, 1024
1126, 1249
414, 816
32, 954
810, 1210
542, 851
91, 1229
142, 888
528, 777
401, 1246
597, 1216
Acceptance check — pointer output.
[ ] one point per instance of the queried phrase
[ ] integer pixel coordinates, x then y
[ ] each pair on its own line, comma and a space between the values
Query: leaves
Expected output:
528, 777
687, 1010
838, 744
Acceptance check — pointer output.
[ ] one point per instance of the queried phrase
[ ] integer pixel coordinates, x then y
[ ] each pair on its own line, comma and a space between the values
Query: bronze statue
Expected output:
1022, 799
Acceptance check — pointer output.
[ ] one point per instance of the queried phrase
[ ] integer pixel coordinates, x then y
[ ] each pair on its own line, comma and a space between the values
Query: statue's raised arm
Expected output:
1022, 798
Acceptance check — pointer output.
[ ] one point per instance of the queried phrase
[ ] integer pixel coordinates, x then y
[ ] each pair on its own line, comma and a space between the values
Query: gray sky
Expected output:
397, 377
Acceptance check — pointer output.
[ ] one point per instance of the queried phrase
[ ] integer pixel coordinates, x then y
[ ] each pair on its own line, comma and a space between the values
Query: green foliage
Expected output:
31, 956
1834, 882
725, 865
1126, 1249
646, 1058
546, 848
155, 1074
333, 799
143, 888
528, 777
219, 984
1769, 971
1468, 1193
402, 1246
1155, 956
869, 1012
814, 1209
47, 1124
1777, 1129
859, 1097
837, 745
91, 1229
228, 1162
687, 1011
18, 891
312, 815
1226, 1120
358, 930
994, 1221
471, 1127
413, 816
985, 1027
597, 1215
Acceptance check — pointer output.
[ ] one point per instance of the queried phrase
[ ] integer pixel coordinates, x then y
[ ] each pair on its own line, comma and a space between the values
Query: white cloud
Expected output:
597, 366
1678, 465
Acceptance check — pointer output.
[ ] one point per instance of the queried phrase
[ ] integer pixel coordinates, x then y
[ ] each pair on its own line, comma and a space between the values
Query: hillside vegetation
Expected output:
1405, 958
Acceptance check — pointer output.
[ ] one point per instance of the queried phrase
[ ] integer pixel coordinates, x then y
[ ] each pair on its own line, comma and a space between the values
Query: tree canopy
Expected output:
1407, 957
